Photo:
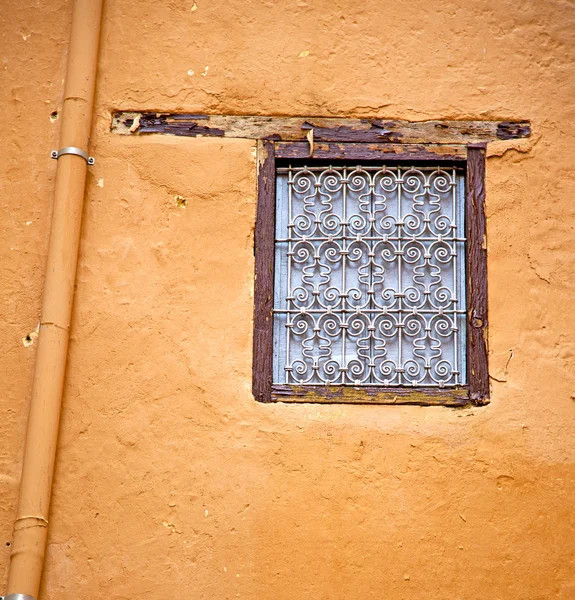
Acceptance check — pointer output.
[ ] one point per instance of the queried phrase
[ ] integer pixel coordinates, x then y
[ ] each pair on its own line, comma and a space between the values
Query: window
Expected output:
371, 276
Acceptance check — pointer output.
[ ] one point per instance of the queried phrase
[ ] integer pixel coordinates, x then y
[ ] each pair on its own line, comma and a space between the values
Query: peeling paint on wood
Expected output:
511, 131
325, 129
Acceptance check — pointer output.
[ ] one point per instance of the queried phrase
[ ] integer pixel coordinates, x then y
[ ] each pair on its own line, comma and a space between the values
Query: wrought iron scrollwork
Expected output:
370, 277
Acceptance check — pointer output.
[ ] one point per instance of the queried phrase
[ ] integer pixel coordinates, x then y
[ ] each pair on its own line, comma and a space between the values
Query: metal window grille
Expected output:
370, 276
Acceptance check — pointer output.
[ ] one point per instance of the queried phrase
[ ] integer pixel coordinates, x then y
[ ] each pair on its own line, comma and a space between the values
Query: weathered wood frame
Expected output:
476, 391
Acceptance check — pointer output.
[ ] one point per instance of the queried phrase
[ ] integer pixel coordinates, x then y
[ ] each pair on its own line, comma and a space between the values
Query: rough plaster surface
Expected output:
171, 480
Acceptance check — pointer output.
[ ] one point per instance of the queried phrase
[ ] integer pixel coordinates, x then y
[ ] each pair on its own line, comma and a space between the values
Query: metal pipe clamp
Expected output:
72, 150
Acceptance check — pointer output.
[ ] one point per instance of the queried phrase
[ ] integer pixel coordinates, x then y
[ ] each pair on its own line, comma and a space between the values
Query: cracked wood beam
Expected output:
325, 129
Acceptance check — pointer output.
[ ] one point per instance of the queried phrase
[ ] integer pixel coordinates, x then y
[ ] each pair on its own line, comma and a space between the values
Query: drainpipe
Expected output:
31, 525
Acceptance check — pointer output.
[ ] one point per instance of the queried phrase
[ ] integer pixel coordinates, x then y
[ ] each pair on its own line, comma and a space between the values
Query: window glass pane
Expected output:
370, 276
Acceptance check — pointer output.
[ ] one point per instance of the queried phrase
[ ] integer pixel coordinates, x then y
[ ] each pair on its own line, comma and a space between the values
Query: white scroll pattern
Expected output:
370, 276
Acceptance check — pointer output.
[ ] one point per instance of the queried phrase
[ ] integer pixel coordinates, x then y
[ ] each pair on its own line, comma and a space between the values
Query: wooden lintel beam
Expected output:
325, 129
369, 151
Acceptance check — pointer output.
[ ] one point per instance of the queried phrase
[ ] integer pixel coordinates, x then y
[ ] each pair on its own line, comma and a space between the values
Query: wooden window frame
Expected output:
476, 391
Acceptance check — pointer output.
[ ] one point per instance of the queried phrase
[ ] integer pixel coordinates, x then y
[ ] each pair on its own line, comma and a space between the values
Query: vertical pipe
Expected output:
31, 526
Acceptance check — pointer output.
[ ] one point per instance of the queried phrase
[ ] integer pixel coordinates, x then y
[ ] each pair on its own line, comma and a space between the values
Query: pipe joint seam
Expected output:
73, 150
76, 99
52, 324
29, 521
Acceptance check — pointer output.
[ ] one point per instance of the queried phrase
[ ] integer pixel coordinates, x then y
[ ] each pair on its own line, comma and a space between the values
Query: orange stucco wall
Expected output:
171, 481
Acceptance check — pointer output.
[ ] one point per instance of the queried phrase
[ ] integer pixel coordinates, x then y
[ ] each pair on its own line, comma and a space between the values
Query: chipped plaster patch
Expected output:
180, 201
171, 527
303, 53
194, 7
191, 72
206, 68
100, 183
31, 337
500, 147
